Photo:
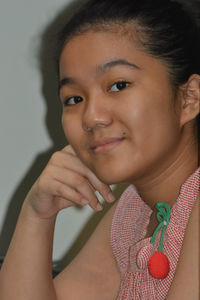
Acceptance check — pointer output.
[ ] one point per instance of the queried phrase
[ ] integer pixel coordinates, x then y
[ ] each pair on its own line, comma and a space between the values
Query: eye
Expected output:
72, 100
119, 86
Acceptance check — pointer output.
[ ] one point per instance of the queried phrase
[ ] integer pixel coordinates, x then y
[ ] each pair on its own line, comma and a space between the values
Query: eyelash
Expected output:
120, 82
66, 101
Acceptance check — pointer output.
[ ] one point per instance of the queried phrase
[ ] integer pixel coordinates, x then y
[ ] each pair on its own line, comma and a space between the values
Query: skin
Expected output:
154, 147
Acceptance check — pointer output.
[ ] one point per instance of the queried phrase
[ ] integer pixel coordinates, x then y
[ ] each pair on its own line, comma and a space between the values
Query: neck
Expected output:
165, 185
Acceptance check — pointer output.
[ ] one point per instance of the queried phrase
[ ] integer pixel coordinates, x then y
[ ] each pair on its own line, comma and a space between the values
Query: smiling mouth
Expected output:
106, 146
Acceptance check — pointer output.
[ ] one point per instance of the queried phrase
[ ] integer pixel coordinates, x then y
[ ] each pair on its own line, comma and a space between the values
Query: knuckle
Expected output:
66, 148
88, 172
47, 170
40, 182
80, 181
59, 189
54, 157
69, 150
104, 188
46, 174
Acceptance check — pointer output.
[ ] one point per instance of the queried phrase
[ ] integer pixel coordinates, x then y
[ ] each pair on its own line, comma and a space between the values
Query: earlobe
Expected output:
191, 99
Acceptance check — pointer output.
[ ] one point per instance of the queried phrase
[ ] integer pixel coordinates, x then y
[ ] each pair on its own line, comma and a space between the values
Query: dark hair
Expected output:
167, 30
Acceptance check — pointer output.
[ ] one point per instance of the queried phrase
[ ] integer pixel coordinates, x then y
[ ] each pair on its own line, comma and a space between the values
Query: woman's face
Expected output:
118, 110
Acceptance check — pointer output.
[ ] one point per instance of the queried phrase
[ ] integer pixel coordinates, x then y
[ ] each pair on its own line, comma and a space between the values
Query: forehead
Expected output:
84, 53
112, 34
98, 44
131, 29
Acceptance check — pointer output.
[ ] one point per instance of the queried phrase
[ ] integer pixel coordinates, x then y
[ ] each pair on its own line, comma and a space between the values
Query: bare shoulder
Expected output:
186, 281
93, 274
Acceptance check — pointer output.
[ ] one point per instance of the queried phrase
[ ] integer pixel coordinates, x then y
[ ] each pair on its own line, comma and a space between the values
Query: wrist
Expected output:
29, 214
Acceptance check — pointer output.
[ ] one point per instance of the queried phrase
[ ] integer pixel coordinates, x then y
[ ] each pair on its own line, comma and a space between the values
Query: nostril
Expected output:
96, 125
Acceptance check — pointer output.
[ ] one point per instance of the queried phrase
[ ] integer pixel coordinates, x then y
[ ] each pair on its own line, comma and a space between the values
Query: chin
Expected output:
123, 171
109, 180
113, 175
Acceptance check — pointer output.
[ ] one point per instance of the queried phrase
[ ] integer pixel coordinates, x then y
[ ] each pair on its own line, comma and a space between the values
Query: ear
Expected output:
190, 102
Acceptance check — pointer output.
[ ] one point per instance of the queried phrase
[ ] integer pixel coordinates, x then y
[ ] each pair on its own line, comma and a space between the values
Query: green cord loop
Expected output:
163, 216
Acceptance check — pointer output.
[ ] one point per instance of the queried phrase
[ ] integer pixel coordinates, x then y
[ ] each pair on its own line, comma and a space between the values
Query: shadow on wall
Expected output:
53, 123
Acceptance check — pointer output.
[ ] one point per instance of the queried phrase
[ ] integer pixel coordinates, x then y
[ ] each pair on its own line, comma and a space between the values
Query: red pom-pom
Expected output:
158, 265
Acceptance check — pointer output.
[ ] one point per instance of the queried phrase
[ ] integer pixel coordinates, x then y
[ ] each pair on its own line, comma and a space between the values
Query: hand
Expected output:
65, 182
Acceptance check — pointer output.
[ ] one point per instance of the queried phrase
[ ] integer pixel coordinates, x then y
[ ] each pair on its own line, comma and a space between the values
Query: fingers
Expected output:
104, 189
73, 187
76, 165
64, 192
69, 149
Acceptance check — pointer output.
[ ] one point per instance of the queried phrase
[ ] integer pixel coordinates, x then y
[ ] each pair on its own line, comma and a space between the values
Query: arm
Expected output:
26, 271
93, 274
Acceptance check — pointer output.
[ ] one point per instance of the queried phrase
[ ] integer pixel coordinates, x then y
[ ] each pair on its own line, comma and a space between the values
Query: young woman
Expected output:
130, 88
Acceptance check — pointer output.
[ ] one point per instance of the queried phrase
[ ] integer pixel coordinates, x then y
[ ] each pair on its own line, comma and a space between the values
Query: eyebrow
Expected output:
102, 69
66, 81
117, 62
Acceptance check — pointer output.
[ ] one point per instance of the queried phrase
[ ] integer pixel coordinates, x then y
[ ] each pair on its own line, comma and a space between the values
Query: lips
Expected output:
105, 144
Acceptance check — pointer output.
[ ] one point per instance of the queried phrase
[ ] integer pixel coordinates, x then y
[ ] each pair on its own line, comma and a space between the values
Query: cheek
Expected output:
152, 122
75, 136
71, 127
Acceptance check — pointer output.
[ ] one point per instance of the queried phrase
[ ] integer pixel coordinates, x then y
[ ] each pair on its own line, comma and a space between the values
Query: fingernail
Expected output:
111, 197
84, 201
99, 207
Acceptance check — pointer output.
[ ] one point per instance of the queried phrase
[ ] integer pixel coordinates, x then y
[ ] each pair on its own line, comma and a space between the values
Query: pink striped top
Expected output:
132, 250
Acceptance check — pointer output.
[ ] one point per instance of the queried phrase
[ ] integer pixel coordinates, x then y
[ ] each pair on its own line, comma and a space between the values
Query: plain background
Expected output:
30, 127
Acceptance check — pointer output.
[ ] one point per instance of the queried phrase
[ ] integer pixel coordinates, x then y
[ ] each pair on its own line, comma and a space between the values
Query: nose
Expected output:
97, 114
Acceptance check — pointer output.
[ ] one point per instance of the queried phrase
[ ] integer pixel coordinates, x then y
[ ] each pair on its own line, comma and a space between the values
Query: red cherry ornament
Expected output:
158, 265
